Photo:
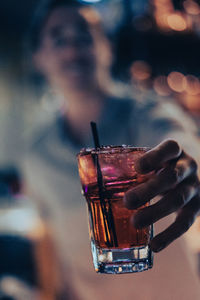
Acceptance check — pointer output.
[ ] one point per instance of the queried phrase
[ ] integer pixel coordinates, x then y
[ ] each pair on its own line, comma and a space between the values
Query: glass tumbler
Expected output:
106, 173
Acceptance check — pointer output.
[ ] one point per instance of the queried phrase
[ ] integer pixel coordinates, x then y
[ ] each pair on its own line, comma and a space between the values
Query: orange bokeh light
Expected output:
191, 7
191, 102
176, 22
161, 86
176, 81
192, 85
140, 70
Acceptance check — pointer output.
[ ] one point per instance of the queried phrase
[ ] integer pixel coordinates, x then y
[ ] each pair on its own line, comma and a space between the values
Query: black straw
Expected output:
107, 215
95, 134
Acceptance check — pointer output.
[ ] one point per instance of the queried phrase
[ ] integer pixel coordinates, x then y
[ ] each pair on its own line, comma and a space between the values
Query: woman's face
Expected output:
66, 55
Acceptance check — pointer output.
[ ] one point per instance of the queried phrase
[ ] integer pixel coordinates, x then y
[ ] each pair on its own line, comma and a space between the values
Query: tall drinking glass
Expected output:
106, 174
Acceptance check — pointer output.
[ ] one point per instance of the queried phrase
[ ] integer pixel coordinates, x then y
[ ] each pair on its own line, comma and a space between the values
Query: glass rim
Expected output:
111, 150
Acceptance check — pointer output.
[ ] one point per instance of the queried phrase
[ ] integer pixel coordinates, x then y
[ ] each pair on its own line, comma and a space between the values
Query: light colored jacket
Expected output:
52, 179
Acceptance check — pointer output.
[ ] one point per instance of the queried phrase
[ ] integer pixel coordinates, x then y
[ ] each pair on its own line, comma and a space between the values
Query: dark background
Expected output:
164, 52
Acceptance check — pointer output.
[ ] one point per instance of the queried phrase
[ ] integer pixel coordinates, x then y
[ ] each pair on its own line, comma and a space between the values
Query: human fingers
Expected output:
184, 220
158, 156
160, 182
171, 202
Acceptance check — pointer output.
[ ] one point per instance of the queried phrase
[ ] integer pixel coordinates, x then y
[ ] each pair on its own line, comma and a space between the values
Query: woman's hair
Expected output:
40, 16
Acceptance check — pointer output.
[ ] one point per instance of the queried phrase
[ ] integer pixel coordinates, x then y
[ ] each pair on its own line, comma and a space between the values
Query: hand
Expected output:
176, 180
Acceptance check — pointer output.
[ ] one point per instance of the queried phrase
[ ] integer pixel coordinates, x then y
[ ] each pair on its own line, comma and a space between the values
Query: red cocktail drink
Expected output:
106, 174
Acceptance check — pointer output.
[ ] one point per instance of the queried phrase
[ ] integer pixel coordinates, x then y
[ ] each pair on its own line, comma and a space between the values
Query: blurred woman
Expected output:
71, 52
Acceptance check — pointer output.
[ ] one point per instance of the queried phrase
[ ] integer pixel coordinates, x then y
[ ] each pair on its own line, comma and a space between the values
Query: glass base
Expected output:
120, 261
